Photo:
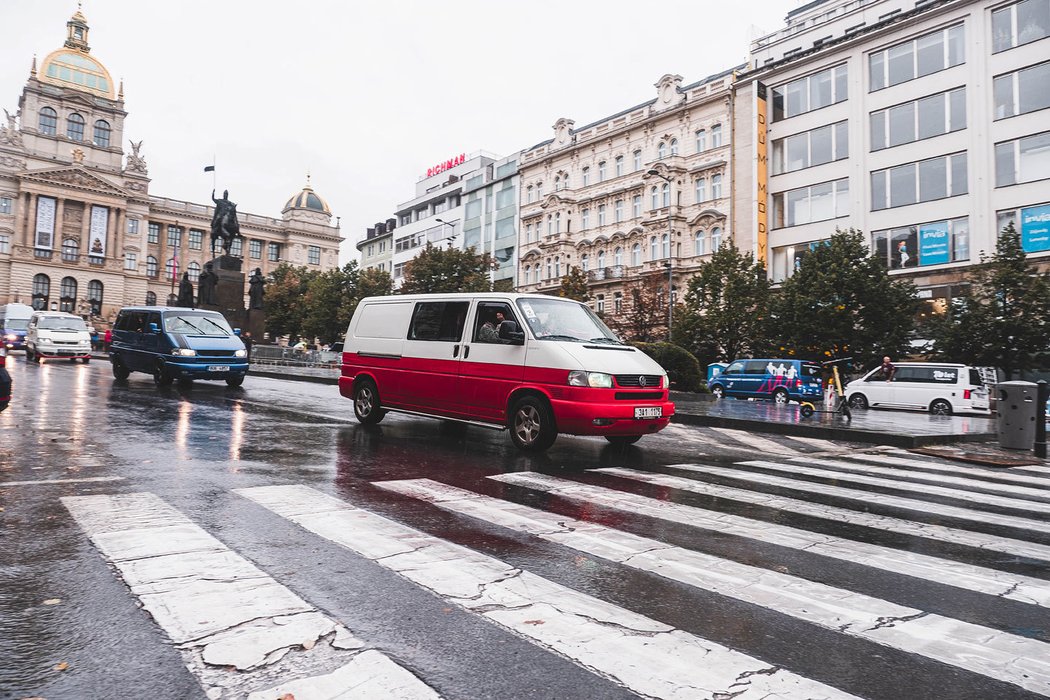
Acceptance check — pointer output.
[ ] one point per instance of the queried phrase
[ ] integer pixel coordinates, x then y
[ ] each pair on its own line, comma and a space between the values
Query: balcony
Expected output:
607, 273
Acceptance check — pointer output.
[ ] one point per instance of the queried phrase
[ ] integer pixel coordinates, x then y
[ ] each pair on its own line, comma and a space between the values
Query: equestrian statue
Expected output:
224, 222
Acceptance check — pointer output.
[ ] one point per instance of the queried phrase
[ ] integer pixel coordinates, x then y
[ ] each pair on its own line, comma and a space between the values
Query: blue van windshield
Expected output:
189, 323
16, 324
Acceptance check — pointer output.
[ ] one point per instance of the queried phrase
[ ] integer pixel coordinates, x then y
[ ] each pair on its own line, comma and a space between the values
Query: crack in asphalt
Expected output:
884, 622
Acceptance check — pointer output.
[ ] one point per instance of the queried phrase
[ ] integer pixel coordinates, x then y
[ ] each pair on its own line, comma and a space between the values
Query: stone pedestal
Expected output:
229, 292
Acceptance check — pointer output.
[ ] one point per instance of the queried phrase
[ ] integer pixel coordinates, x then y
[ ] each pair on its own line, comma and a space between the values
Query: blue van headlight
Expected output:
184, 352
597, 380
240, 353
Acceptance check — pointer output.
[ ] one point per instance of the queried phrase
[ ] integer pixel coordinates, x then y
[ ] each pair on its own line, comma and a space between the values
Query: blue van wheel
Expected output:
161, 376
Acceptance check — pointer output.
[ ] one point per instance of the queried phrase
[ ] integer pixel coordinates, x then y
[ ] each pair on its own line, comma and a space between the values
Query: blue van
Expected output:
14, 320
780, 380
174, 343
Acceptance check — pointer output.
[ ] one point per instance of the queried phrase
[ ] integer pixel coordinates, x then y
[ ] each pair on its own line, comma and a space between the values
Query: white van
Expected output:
56, 334
14, 319
536, 365
937, 387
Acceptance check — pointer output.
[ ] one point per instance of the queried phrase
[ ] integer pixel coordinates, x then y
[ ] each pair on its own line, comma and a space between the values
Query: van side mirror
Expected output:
236, 331
154, 328
508, 330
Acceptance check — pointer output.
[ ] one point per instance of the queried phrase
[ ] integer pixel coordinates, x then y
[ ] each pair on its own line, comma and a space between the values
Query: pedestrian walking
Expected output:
107, 338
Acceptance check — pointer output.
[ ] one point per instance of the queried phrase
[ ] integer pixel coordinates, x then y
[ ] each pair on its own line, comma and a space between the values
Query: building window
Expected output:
601, 259
655, 198
67, 300
133, 227
665, 194
674, 147
5, 243
399, 270
700, 243
619, 166
816, 147
619, 210
131, 261
653, 248
636, 206
618, 256
94, 297
70, 250
586, 176
716, 187
102, 132
600, 303
665, 246
827, 200
617, 302
530, 194
557, 267
585, 219
701, 140
526, 272
1023, 91
151, 266
273, 252
194, 270
601, 171
1020, 23
174, 236
41, 291
1033, 229
933, 243
815, 91
636, 254
661, 151
237, 246
637, 158
1022, 160
716, 136
924, 181
151, 298
255, 249
550, 269
48, 121
601, 215
716, 239
585, 262
75, 127
550, 224
171, 269
701, 190
921, 119
917, 57
557, 183
153, 233
195, 239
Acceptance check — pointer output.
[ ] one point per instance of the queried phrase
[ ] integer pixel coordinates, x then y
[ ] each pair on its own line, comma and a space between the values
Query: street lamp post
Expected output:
670, 246
451, 226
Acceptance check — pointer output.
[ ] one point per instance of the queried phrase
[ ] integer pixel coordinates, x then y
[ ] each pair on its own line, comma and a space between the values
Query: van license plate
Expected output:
218, 368
648, 412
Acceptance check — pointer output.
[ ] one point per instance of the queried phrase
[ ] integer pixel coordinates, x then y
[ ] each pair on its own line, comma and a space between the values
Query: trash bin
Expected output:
714, 369
1016, 406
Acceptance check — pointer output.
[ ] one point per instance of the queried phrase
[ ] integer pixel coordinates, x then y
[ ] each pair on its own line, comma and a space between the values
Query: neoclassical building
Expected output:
644, 192
80, 230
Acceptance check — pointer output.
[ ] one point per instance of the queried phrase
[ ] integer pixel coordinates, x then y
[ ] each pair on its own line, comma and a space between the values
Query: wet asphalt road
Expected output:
71, 628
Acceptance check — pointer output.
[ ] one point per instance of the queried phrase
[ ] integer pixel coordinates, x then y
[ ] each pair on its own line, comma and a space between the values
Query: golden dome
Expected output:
76, 70
307, 199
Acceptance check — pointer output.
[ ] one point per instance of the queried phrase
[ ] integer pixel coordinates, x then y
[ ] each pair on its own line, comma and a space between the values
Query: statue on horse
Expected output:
224, 222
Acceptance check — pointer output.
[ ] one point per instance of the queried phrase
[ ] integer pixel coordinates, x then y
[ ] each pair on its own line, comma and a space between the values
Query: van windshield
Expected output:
561, 319
196, 324
16, 324
62, 323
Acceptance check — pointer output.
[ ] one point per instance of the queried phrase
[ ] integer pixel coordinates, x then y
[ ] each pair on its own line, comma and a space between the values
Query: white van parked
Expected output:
937, 387
536, 365
56, 334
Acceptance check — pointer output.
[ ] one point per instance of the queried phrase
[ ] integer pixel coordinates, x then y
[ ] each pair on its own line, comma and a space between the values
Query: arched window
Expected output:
550, 269
151, 266
617, 302
637, 158
41, 291
674, 147
661, 151
171, 269
557, 222
68, 301
531, 194
75, 127
656, 197
194, 269
557, 267
618, 256
701, 190
600, 303
601, 171
550, 224
586, 175
716, 239
716, 187
665, 245
666, 192
526, 272
652, 248
557, 184
585, 262
619, 166
151, 298
601, 259
565, 181
636, 254
48, 121
701, 140
716, 136
585, 219
70, 250
102, 132
94, 295
700, 244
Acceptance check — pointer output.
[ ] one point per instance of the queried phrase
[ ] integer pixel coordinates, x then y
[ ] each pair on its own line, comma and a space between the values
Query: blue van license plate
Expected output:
218, 368
647, 412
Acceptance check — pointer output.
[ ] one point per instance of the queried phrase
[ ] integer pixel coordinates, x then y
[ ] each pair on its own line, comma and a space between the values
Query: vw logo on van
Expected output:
642, 380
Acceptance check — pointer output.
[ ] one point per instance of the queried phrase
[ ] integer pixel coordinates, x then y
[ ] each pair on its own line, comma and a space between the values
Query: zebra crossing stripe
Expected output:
955, 480
238, 630
1006, 585
972, 647
45, 482
756, 441
642, 654
796, 505
926, 489
953, 469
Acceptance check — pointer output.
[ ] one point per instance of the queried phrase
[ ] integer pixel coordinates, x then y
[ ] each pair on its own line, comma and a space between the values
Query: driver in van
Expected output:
489, 331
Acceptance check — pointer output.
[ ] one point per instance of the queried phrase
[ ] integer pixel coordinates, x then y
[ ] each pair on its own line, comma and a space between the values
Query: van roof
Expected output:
168, 308
60, 314
466, 296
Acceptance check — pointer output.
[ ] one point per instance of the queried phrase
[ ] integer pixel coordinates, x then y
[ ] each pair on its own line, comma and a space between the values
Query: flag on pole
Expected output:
209, 168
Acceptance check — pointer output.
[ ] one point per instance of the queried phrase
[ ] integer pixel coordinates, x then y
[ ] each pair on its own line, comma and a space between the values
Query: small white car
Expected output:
938, 387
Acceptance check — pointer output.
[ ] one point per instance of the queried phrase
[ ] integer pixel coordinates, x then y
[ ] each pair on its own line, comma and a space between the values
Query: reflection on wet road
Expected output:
202, 541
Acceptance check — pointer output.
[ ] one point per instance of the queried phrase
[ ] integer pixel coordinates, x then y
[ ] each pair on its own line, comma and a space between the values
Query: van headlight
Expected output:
240, 353
184, 352
597, 380
665, 382
11, 336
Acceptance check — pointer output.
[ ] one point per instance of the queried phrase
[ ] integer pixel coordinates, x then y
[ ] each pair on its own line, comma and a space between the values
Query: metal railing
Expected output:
279, 355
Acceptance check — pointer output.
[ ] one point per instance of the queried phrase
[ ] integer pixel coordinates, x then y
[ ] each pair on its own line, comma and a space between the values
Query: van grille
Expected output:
650, 380
216, 353
639, 395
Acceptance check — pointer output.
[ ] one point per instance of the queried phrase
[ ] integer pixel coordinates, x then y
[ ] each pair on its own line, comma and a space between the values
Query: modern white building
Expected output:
924, 124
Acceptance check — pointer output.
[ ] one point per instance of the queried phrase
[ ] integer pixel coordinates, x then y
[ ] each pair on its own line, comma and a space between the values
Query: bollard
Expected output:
1042, 394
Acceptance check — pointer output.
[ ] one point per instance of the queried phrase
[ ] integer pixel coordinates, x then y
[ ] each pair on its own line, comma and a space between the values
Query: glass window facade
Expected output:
816, 147
1022, 160
920, 119
1022, 91
923, 181
1020, 23
916, 58
931, 243
827, 200
812, 92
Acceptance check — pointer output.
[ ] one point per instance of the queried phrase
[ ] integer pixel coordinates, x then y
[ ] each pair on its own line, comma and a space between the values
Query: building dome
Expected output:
72, 67
309, 200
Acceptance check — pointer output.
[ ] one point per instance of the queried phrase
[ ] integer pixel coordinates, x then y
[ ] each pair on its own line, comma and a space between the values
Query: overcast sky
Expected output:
365, 95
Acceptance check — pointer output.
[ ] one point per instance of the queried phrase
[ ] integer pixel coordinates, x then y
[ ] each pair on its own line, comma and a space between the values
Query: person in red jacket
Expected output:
107, 338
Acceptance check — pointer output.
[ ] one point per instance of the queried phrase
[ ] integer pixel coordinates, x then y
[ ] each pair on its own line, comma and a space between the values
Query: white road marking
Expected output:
238, 629
1017, 587
644, 655
979, 649
41, 482
756, 441
956, 479
823, 445
797, 505
953, 469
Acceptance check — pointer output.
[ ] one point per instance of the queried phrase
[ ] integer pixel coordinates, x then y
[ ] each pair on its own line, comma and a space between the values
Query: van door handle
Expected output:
466, 351
455, 351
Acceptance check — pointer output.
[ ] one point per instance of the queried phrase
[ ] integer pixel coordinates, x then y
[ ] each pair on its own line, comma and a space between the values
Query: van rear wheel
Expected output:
940, 407
718, 391
532, 424
366, 403
780, 396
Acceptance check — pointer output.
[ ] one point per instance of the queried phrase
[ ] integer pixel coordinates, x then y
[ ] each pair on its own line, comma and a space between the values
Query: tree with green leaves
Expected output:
842, 303
1004, 319
574, 285
286, 299
437, 270
374, 283
331, 297
726, 310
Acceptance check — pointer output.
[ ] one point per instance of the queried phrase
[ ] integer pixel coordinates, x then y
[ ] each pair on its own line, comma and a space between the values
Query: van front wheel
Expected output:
160, 375
532, 424
120, 371
366, 403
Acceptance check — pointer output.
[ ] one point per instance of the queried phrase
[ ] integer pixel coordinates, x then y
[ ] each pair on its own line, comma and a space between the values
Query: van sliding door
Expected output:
431, 360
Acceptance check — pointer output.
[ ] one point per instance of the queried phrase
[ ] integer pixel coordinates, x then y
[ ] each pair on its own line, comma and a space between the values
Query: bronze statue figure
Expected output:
224, 222
185, 291
206, 285
255, 289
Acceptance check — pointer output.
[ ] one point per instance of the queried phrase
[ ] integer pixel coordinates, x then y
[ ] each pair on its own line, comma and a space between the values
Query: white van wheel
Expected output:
532, 424
718, 391
940, 407
366, 403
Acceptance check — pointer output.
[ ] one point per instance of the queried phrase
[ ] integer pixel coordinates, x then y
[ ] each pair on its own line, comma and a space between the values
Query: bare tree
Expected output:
644, 314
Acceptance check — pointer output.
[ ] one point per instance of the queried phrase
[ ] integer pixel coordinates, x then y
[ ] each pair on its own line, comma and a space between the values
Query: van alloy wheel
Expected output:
858, 401
718, 391
367, 407
532, 424
780, 396
940, 407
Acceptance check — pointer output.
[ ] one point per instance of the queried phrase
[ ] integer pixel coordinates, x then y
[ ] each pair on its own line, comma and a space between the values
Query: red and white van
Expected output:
536, 365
